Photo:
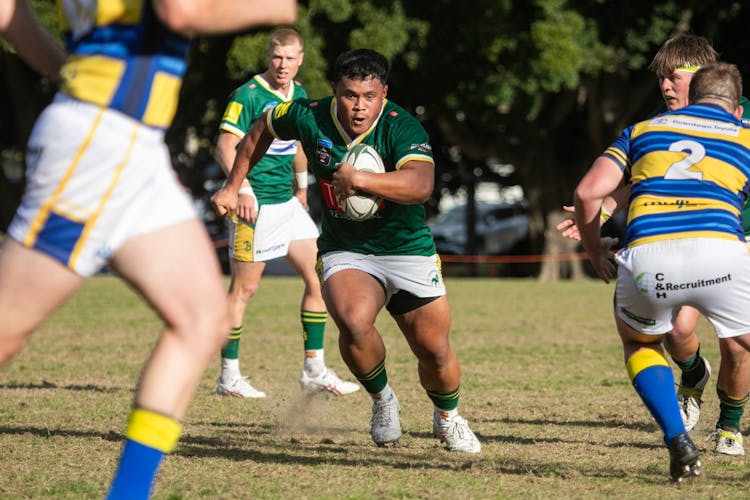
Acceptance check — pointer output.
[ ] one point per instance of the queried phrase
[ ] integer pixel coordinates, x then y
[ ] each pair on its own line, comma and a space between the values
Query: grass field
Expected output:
544, 388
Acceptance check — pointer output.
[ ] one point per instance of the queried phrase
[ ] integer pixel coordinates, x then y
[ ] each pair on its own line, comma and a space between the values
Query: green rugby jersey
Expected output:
272, 177
745, 103
395, 229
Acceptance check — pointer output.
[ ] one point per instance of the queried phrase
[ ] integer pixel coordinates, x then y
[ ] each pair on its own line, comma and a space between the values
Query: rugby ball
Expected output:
362, 206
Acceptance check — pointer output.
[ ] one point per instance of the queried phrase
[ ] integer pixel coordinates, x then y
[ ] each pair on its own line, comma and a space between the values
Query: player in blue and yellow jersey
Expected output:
386, 261
101, 190
674, 64
279, 227
684, 242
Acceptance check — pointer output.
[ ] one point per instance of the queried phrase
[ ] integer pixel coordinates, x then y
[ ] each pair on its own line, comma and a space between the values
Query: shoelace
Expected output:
381, 417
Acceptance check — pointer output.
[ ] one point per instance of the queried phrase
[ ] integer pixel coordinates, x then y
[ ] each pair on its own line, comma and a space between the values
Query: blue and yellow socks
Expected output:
652, 379
148, 436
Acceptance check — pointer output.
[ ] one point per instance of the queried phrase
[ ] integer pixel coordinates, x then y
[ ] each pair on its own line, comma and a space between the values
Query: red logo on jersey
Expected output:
313, 104
329, 196
393, 113
252, 85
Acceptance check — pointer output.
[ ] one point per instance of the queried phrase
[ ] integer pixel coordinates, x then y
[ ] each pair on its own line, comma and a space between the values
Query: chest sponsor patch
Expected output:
323, 152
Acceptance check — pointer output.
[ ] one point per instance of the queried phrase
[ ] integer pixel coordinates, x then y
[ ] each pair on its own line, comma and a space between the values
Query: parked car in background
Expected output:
501, 228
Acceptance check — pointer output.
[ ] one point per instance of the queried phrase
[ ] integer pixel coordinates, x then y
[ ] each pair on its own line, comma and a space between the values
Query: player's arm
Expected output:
226, 152
19, 25
300, 175
216, 16
604, 177
410, 184
610, 206
250, 151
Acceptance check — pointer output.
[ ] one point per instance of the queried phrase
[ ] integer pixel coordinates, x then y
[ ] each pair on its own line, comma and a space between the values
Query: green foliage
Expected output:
46, 12
388, 31
247, 55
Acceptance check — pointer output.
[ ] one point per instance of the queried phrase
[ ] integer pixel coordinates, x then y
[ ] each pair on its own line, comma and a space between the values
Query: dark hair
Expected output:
361, 64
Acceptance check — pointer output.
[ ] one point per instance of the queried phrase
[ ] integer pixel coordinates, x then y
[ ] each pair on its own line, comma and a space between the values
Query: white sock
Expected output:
230, 369
384, 395
315, 362
446, 415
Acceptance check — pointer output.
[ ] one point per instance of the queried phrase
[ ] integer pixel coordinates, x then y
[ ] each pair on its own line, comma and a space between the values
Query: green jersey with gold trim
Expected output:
395, 229
272, 177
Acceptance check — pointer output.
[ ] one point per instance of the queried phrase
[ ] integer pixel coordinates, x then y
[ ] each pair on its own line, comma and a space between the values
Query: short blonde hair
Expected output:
683, 51
283, 37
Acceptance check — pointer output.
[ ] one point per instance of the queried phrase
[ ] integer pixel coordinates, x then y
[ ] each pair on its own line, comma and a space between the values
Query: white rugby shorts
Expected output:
711, 275
277, 225
419, 275
96, 178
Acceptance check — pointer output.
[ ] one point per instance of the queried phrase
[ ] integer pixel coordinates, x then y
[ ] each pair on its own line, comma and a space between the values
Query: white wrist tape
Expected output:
301, 178
248, 190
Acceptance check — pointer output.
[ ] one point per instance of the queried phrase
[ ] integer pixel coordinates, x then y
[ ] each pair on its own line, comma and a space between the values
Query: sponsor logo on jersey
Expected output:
313, 104
329, 196
324, 152
393, 113
424, 147
252, 85
695, 124
232, 113
269, 105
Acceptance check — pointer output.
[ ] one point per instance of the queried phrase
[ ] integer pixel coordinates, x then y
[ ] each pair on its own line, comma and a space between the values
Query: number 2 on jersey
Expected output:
680, 170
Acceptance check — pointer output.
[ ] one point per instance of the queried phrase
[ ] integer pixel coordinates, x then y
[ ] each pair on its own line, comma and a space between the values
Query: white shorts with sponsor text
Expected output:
712, 275
278, 224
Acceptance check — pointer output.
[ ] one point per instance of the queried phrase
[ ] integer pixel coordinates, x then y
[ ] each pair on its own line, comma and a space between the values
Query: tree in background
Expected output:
544, 85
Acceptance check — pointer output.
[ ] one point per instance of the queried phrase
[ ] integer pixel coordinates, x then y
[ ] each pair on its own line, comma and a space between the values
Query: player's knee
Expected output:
204, 327
243, 291
733, 352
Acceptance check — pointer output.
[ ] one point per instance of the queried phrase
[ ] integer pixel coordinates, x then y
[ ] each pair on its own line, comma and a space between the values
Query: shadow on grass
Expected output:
590, 424
48, 433
73, 387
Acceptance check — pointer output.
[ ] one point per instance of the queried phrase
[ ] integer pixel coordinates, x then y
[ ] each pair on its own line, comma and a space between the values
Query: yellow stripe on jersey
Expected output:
46, 207
650, 205
645, 358
408, 158
232, 113
92, 79
153, 430
162, 101
109, 11
618, 155
119, 11
658, 163
280, 109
